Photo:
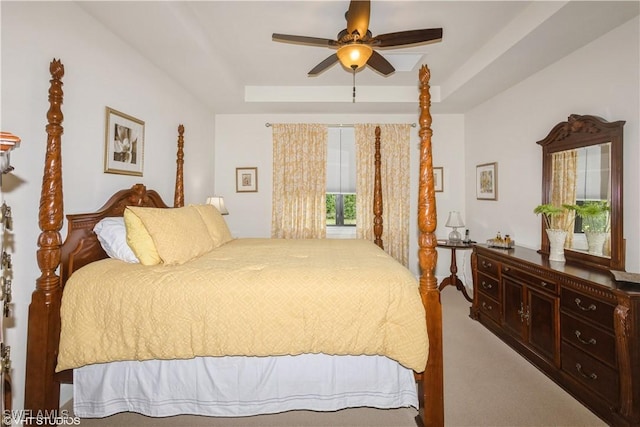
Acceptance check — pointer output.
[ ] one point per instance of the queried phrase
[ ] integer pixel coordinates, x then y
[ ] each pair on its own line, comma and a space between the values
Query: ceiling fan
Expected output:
356, 44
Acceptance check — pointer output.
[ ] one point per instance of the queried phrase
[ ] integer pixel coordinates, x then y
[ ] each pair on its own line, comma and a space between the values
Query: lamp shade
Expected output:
354, 55
218, 203
454, 220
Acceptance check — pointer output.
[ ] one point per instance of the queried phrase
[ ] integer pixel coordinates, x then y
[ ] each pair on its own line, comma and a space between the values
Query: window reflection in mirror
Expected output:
582, 177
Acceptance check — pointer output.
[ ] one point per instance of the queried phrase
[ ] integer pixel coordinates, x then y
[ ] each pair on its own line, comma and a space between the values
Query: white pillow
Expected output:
112, 235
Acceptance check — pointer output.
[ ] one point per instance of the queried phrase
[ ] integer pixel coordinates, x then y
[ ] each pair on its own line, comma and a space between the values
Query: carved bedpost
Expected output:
626, 320
431, 386
178, 197
41, 390
377, 194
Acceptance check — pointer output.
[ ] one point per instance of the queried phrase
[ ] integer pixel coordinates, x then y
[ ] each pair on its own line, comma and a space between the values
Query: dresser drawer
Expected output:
587, 307
595, 375
488, 266
488, 286
589, 339
530, 279
489, 307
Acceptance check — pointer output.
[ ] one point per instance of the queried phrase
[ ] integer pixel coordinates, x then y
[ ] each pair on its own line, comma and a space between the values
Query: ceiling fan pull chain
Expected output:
354, 84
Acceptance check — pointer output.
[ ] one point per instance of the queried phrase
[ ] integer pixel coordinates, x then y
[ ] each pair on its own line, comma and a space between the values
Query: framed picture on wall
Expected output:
487, 181
246, 180
124, 144
438, 179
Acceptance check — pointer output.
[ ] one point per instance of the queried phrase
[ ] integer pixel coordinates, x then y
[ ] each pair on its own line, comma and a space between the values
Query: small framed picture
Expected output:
438, 179
487, 181
124, 144
246, 180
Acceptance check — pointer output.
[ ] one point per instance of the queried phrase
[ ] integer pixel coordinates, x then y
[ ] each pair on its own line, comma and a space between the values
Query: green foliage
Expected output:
349, 201
554, 216
595, 215
331, 209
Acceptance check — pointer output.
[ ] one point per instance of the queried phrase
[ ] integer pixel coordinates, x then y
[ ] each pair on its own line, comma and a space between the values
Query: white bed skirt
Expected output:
242, 386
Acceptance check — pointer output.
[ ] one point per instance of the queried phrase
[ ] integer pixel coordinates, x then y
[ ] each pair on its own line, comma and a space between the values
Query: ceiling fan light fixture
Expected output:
354, 55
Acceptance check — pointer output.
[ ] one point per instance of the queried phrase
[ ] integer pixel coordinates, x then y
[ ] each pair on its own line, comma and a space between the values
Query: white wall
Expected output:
601, 79
100, 71
244, 140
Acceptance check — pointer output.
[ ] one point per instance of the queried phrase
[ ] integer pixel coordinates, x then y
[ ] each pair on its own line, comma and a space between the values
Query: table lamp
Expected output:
454, 221
218, 203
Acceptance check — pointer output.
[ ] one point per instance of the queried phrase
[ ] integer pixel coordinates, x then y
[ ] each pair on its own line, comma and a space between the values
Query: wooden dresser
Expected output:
578, 326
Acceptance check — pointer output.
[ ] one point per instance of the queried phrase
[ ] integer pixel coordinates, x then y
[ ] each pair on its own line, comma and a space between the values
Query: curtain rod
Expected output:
337, 125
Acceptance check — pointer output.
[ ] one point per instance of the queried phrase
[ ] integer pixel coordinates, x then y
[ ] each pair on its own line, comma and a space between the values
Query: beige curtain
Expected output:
394, 148
563, 188
299, 181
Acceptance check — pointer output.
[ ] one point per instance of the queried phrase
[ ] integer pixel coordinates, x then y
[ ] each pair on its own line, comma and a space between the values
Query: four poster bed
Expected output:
387, 319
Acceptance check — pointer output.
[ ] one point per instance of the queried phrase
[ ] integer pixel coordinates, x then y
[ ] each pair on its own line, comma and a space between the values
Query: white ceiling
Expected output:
222, 52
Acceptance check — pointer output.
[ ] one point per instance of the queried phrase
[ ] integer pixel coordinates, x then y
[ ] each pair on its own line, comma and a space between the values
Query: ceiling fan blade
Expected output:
358, 17
380, 64
407, 37
324, 65
315, 41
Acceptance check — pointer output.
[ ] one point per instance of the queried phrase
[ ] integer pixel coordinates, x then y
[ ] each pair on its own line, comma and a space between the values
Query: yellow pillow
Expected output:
179, 234
217, 226
139, 239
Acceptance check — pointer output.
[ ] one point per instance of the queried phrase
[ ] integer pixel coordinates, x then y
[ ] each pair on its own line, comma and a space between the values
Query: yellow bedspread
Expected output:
253, 297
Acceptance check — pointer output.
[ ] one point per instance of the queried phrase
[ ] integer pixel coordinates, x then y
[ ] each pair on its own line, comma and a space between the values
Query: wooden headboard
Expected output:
81, 247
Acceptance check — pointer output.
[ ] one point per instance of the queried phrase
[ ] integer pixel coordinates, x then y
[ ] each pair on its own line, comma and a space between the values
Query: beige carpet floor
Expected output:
486, 384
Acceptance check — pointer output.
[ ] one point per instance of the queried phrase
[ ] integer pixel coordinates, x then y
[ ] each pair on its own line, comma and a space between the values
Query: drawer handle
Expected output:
487, 306
486, 286
525, 315
591, 376
592, 307
507, 269
544, 284
486, 264
591, 341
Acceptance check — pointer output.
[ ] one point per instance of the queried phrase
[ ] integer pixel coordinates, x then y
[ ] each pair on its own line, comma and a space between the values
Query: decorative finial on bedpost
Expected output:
178, 197
377, 194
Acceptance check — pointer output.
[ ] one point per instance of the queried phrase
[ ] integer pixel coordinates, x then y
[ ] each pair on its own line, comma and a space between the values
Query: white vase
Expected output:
595, 240
556, 244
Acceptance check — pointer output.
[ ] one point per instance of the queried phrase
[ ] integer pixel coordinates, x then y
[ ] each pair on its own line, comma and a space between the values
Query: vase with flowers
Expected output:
557, 222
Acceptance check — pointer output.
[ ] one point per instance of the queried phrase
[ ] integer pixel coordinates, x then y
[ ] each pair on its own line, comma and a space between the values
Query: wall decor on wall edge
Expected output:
438, 179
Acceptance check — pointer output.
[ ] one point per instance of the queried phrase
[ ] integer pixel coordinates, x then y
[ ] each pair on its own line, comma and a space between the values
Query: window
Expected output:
341, 183
341, 209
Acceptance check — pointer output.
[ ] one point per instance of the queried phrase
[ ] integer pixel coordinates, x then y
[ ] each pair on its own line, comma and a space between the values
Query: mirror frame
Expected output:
582, 131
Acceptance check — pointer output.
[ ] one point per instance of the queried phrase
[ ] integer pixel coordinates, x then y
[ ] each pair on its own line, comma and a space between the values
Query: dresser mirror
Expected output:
582, 165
